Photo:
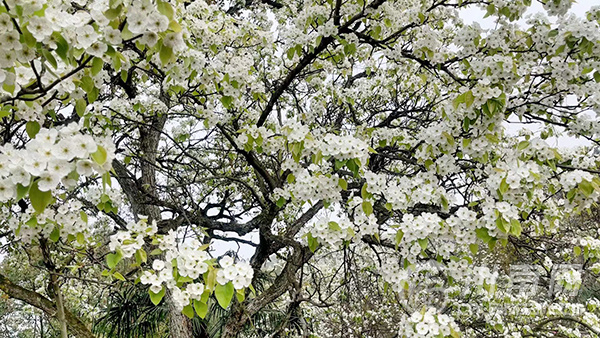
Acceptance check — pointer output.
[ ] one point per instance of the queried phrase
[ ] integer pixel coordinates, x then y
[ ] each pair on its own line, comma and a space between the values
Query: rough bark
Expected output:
141, 193
55, 286
179, 324
242, 313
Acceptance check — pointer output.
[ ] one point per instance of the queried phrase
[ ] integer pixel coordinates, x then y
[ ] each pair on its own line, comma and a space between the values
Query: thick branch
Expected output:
32, 298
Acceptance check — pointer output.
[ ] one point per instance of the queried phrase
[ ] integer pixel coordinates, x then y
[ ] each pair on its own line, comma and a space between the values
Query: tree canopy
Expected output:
379, 164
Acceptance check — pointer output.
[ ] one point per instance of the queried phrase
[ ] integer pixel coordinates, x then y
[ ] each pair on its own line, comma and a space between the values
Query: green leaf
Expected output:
503, 186
483, 234
445, 204
80, 106
55, 235
458, 100
586, 188
113, 259
50, 58
188, 311
343, 184
501, 224
87, 84
473, 247
469, 98
224, 294
350, 49
515, 228
62, 46
466, 124
156, 297
226, 101
21, 191
184, 279
290, 53
291, 178
423, 243
165, 9
280, 202
32, 128
334, 226
80, 238
352, 165
140, 256
522, 145
97, 64
100, 155
28, 38
240, 295
211, 278
5, 113
113, 13
363, 192
201, 308
577, 250
166, 53
118, 276
83, 216
174, 26
449, 138
367, 207
39, 199
399, 236
313, 243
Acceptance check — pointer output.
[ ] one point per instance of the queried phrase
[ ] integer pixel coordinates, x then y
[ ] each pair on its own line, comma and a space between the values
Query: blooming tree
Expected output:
139, 136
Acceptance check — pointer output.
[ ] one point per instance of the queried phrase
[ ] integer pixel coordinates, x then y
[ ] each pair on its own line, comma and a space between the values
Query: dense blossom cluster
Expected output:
429, 323
182, 262
52, 157
321, 126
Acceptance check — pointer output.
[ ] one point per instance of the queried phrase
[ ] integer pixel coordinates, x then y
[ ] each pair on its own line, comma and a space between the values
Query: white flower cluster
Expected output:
557, 7
590, 245
53, 156
421, 226
155, 280
340, 147
570, 279
256, 133
192, 261
331, 233
313, 186
181, 263
66, 219
393, 274
570, 179
295, 131
240, 273
130, 240
161, 275
428, 323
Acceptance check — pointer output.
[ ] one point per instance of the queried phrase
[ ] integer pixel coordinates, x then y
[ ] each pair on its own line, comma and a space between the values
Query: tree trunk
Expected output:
140, 192
179, 325
54, 284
